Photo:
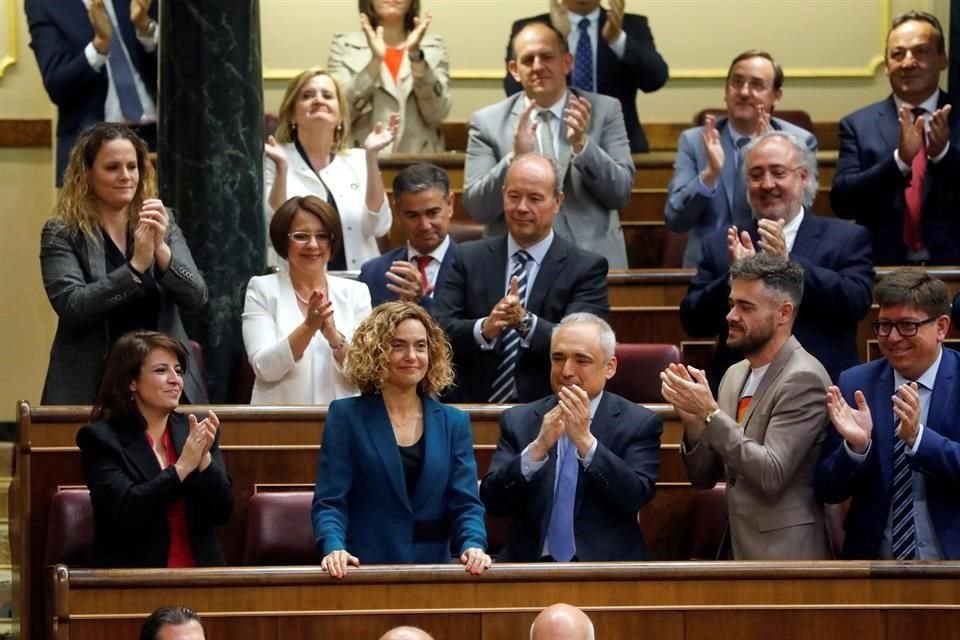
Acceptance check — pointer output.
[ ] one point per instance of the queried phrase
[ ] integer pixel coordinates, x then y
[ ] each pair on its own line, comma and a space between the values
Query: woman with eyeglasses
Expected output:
297, 323
311, 154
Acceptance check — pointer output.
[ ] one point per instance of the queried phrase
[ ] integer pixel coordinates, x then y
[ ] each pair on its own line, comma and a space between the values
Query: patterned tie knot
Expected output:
423, 261
522, 257
742, 142
584, 24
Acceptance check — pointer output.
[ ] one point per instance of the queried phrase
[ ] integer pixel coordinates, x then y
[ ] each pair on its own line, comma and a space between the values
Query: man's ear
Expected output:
512, 68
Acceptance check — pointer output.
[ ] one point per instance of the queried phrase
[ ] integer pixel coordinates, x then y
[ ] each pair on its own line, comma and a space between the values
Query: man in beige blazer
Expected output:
764, 433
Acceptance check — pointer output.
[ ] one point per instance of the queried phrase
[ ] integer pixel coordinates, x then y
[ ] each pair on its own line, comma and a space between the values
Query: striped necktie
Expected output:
903, 543
504, 387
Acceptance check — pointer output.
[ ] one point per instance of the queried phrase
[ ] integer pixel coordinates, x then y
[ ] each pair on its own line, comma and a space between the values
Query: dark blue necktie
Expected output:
122, 75
903, 543
504, 387
583, 59
560, 537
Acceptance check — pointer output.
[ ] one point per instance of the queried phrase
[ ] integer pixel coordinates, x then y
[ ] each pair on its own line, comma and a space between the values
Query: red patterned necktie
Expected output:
422, 262
912, 223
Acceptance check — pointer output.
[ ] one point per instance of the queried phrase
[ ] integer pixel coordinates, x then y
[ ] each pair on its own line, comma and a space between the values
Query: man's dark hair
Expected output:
921, 16
759, 53
163, 616
561, 39
779, 275
419, 177
914, 287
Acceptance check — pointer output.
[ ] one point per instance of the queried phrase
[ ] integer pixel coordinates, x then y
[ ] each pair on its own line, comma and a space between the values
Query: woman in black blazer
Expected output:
156, 477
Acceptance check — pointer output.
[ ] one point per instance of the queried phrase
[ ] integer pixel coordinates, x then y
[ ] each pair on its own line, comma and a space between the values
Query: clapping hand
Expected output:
713, 150
906, 406
415, 37
910, 139
276, 153
939, 135
381, 136
772, 238
525, 136
614, 25
102, 29
140, 14
374, 37
739, 245
560, 17
853, 425
577, 119
405, 280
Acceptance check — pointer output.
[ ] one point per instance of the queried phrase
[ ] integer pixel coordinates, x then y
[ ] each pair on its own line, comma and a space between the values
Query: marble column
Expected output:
210, 159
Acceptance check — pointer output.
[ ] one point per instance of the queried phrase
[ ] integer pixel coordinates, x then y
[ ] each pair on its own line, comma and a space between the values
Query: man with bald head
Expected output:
562, 622
406, 633
582, 132
505, 293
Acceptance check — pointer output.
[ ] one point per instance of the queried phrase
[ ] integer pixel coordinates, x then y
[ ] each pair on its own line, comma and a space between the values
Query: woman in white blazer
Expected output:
309, 155
298, 322
393, 66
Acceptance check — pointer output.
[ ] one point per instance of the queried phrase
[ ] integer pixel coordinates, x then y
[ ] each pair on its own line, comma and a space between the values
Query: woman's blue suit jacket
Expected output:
360, 502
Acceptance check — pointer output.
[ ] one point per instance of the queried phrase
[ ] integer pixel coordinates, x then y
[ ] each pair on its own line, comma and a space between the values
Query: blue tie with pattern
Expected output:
122, 75
583, 58
560, 537
903, 542
504, 387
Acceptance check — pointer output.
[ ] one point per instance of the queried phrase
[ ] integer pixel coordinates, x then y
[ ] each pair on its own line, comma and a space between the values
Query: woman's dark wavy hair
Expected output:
115, 401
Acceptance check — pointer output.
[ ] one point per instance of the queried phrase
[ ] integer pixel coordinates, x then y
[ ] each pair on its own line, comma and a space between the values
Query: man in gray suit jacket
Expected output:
583, 132
707, 191
764, 432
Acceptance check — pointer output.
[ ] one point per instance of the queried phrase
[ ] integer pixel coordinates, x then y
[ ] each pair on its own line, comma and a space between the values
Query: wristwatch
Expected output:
710, 416
526, 323
416, 57
149, 31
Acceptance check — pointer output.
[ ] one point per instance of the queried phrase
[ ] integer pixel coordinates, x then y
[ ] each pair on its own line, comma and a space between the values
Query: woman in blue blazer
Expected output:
397, 478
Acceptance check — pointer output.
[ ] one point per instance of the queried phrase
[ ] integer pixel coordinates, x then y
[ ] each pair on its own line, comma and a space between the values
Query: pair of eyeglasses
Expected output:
303, 237
753, 84
777, 173
906, 328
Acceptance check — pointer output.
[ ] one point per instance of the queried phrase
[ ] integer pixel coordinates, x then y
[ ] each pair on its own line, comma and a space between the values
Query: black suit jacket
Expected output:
869, 187
373, 273
59, 32
837, 292
641, 68
621, 479
569, 280
131, 495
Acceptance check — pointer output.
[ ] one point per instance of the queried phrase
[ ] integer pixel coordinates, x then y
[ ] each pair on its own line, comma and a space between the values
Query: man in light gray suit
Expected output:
763, 434
707, 191
583, 131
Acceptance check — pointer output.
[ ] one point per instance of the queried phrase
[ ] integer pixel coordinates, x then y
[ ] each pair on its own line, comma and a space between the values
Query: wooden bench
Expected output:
264, 449
626, 601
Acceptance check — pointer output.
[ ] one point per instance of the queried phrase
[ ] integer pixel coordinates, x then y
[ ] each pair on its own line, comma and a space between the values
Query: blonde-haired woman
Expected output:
310, 155
392, 65
397, 478
113, 260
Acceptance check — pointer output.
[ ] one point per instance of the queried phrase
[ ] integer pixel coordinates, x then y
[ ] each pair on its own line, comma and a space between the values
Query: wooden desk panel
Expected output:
693, 601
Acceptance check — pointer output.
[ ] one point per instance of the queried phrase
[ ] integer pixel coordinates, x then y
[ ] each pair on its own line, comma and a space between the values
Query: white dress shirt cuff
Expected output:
912, 451
151, 40
527, 466
619, 46
859, 458
905, 169
95, 59
485, 345
941, 154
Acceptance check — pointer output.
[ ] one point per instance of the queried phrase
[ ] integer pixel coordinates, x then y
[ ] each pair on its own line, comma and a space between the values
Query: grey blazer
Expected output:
83, 295
688, 210
768, 462
596, 183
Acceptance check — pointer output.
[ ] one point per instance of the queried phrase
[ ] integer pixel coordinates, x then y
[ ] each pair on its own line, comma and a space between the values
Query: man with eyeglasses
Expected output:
835, 255
707, 191
898, 172
894, 447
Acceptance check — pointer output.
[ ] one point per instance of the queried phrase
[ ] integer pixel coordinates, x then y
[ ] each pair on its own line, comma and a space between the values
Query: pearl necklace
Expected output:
306, 302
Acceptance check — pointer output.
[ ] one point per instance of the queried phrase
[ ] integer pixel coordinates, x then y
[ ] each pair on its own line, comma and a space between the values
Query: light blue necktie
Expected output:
560, 537
583, 59
122, 75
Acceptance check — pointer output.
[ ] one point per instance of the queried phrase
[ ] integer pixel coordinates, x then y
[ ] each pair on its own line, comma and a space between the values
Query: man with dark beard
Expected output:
780, 173
763, 434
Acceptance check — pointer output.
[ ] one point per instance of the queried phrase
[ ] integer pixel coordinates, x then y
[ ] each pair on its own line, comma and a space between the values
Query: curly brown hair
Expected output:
75, 204
286, 132
368, 355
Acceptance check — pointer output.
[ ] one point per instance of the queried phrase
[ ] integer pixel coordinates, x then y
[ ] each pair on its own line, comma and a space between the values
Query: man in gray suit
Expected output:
763, 434
584, 133
707, 191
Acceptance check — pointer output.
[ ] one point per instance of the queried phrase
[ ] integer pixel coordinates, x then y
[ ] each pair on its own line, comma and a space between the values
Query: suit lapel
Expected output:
376, 421
776, 367
881, 409
944, 390
808, 235
604, 424
289, 316
495, 270
445, 265
434, 431
137, 449
888, 125
729, 396
553, 263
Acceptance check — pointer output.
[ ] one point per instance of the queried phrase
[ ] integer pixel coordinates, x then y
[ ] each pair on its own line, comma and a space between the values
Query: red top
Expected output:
393, 60
181, 551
